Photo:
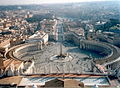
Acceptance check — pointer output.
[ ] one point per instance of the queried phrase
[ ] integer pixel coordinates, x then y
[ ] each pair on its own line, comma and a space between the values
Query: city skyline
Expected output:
21, 2
59, 43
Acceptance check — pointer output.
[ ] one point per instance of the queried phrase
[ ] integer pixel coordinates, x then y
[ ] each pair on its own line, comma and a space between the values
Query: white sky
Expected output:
13, 2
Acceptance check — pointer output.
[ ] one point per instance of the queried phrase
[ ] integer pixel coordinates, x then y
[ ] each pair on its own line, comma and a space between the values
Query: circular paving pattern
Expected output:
47, 60
61, 58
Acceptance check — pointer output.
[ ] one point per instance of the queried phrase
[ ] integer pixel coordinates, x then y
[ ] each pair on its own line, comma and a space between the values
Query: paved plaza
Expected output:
43, 64
74, 63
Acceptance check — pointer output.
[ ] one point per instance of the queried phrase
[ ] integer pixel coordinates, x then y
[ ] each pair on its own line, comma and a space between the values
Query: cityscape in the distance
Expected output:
60, 45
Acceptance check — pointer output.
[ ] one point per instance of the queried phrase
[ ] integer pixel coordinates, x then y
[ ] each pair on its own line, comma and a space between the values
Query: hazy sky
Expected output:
14, 2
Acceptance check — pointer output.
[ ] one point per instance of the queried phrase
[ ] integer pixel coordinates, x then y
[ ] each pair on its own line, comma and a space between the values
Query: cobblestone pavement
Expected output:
43, 64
